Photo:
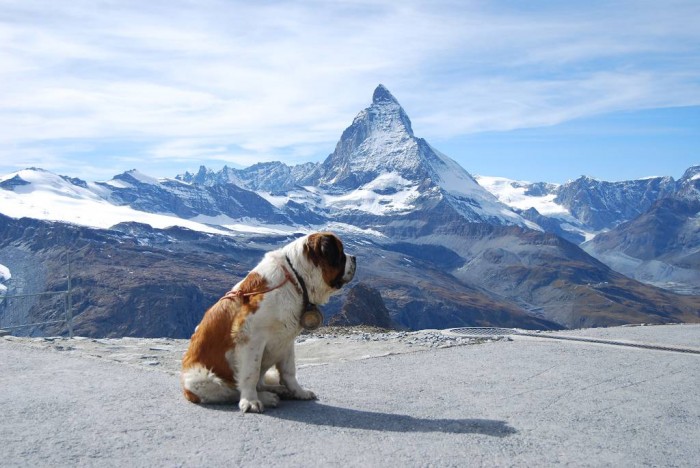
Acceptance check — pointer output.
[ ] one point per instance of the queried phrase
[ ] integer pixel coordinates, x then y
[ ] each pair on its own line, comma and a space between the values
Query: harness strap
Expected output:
237, 294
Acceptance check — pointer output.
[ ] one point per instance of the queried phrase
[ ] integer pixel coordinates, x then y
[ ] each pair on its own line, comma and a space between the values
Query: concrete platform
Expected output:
526, 402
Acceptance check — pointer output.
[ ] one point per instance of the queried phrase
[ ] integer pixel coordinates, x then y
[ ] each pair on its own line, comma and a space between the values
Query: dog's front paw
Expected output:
305, 395
251, 406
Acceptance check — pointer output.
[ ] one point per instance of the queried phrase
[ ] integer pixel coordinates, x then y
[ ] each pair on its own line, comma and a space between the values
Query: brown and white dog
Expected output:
252, 328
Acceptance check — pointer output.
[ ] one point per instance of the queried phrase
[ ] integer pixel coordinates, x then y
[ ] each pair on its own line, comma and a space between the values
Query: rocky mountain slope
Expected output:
441, 249
661, 246
585, 204
646, 229
133, 280
602, 205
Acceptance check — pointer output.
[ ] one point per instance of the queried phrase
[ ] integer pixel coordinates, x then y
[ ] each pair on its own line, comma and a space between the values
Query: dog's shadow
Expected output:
318, 414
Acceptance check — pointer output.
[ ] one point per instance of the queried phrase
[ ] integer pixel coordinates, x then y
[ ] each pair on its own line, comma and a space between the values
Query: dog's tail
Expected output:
201, 385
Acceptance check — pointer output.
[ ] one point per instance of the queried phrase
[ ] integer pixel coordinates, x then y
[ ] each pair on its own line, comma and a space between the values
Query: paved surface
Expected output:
685, 336
526, 402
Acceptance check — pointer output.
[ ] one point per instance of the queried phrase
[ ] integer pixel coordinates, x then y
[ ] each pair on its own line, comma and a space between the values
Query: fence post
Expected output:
69, 300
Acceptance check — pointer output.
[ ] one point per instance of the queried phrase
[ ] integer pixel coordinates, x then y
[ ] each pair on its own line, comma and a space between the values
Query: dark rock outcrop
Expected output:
363, 306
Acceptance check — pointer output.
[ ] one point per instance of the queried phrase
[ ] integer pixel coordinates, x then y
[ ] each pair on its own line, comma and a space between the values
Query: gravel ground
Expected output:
328, 344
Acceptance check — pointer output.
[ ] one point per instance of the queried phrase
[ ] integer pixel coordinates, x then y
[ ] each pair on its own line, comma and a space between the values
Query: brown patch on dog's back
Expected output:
251, 284
325, 249
248, 304
219, 330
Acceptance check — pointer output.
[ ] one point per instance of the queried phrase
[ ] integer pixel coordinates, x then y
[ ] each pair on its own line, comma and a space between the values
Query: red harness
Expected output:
237, 294
311, 318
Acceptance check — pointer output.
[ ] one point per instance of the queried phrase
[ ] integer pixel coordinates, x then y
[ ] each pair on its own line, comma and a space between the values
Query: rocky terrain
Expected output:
646, 229
363, 306
604, 205
159, 282
662, 245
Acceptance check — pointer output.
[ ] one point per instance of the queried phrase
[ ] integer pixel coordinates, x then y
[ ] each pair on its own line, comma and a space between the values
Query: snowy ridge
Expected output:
40, 194
516, 194
389, 193
459, 184
523, 196
126, 179
378, 169
49, 197
379, 172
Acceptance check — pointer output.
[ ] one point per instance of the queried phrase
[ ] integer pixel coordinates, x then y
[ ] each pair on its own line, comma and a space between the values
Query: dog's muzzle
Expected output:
350, 268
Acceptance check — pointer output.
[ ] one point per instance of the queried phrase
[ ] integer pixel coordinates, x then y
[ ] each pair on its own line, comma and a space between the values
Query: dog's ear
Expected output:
324, 247
331, 249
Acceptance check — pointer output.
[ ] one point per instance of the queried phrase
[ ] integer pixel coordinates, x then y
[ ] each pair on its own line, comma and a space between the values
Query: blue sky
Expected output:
527, 90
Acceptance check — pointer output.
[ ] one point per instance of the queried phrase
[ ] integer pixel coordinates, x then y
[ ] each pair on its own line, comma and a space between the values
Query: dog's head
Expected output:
323, 264
325, 250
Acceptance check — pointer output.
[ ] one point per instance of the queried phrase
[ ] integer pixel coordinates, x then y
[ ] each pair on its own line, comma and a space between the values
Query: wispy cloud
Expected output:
240, 81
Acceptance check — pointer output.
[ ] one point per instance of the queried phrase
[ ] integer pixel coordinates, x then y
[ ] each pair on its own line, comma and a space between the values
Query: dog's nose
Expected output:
350, 267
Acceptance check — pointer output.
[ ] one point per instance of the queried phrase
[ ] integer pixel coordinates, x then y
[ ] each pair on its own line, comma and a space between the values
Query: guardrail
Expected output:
479, 332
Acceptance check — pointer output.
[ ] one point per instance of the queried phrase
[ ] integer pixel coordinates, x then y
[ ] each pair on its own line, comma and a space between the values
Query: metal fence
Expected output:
68, 315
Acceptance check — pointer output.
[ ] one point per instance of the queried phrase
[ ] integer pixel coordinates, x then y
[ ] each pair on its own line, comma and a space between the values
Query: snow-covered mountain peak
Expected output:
379, 140
131, 177
689, 184
386, 113
30, 174
40, 180
381, 94
383, 120
692, 173
199, 177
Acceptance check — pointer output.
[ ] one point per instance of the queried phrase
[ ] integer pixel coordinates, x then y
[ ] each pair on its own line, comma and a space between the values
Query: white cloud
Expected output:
281, 80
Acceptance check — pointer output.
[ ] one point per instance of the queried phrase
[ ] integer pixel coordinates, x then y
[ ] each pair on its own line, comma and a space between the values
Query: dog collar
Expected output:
311, 317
